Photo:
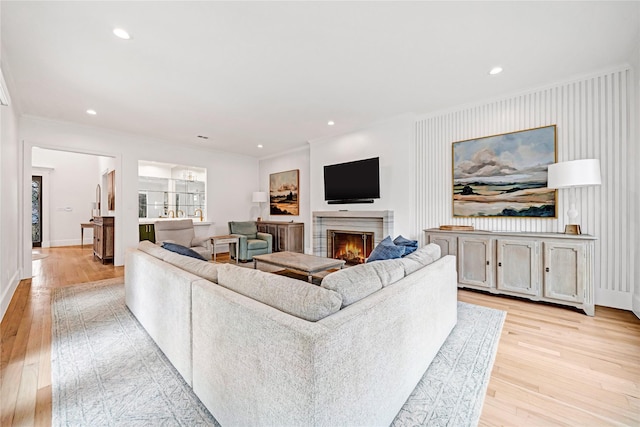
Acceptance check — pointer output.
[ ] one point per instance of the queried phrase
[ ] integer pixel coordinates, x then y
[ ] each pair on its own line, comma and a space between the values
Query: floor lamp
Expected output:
574, 173
259, 197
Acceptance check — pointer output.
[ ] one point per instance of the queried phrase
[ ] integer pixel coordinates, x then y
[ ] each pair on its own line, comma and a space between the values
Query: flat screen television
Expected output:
352, 182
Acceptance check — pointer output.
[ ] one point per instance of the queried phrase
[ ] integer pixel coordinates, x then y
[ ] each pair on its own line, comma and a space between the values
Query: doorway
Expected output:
36, 211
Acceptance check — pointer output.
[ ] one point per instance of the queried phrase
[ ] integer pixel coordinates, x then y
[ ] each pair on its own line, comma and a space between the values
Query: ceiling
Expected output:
274, 73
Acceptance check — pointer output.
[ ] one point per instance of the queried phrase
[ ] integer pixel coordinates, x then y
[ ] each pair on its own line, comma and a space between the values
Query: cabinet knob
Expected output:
499, 264
546, 269
487, 262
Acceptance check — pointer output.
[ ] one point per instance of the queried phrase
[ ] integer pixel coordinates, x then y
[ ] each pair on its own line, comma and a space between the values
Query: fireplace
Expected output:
352, 246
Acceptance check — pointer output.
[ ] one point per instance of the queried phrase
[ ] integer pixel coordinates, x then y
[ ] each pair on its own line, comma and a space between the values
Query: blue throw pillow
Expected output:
409, 245
182, 250
386, 249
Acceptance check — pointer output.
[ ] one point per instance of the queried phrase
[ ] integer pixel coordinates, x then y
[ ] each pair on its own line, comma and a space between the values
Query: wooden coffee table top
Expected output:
302, 262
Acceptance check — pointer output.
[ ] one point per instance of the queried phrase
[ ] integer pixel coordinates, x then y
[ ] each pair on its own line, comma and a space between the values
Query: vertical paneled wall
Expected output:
594, 120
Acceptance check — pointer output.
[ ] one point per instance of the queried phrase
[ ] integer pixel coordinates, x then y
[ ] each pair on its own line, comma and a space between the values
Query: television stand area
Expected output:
550, 267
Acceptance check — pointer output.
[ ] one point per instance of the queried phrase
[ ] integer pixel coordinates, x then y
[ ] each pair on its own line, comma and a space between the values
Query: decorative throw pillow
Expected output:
409, 245
182, 250
386, 249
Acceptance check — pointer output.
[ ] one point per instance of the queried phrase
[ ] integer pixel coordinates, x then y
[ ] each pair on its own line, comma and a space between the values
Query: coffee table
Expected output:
308, 264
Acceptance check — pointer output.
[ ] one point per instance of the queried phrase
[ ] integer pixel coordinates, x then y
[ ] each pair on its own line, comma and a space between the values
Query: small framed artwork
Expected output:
111, 191
505, 175
284, 193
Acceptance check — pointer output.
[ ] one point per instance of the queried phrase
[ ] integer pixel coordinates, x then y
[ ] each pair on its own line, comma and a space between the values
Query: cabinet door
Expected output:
295, 238
564, 271
518, 266
474, 261
447, 243
98, 233
273, 230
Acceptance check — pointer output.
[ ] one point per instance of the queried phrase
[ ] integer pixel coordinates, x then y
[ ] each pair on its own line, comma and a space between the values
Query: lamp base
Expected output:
572, 229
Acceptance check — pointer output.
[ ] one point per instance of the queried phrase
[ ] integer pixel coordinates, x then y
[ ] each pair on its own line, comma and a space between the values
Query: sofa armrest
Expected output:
265, 236
200, 241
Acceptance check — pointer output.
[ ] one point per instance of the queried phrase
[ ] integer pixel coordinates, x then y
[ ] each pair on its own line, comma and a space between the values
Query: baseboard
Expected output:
8, 294
66, 242
614, 299
636, 305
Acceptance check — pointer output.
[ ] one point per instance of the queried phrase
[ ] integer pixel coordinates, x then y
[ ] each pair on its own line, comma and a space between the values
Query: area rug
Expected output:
107, 371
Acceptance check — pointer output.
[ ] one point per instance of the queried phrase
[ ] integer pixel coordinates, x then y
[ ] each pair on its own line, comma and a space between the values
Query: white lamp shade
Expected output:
574, 173
259, 197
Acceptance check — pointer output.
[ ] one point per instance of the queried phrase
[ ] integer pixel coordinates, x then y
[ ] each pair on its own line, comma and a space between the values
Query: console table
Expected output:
551, 267
287, 236
84, 225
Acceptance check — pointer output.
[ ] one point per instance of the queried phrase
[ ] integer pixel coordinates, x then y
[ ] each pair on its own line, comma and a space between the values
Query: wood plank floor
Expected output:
554, 366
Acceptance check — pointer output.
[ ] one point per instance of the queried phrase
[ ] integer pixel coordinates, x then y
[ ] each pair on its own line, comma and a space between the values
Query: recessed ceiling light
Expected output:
91, 112
260, 146
495, 70
119, 32
331, 123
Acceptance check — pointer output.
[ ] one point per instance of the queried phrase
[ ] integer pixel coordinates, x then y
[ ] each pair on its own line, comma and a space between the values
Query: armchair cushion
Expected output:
256, 244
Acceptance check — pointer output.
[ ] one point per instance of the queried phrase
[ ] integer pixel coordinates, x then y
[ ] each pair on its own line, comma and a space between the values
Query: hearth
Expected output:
351, 246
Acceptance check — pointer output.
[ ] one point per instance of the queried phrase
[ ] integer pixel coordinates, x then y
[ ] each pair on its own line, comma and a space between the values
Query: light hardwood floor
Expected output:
554, 366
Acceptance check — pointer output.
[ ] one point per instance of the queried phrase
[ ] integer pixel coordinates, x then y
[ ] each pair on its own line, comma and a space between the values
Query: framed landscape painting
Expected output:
505, 175
283, 193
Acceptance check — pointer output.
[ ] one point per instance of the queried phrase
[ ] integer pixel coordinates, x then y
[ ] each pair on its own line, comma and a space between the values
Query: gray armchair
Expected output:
181, 231
251, 241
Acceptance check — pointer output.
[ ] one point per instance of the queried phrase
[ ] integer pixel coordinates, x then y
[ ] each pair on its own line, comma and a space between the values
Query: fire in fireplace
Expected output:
352, 246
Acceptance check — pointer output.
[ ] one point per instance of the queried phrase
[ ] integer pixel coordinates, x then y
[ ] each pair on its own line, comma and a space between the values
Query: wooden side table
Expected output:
84, 225
227, 238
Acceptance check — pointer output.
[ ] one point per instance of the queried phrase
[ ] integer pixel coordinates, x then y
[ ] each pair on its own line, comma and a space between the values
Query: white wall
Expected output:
10, 273
595, 118
297, 159
394, 142
230, 178
69, 192
635, 191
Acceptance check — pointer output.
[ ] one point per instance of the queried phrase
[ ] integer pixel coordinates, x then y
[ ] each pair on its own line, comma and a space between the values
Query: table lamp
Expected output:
574, 173
259, 197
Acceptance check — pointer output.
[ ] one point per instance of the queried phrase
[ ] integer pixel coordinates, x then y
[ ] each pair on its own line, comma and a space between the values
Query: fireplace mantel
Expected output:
378, 222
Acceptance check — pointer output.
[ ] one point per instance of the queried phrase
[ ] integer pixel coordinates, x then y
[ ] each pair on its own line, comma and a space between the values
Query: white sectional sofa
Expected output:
263, 349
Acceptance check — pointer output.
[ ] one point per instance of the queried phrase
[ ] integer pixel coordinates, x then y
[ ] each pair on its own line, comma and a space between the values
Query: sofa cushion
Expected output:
152, 249
204, 269
386, 249
247, 228
295, 297
182, 250
256, 244
353, 283
421, 257
409, 245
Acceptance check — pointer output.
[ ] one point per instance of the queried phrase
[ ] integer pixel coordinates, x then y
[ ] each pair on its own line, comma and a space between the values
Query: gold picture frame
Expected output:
284, 193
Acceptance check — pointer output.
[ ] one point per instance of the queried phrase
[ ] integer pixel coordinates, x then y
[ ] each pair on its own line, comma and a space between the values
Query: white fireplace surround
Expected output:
378, 222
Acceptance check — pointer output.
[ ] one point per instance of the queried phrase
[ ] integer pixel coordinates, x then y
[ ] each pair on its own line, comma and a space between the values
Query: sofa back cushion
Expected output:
178, 231
295, 297
357, 282
204, 269
247, 228
421, 257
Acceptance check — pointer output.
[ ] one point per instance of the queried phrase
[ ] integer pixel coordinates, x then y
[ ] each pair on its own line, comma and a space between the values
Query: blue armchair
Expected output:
252, 242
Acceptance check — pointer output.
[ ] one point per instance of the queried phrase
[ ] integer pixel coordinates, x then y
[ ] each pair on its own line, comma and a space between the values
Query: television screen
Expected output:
352, 182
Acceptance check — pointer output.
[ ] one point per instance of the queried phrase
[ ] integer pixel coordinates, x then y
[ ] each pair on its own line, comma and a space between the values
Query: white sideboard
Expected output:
552, 267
